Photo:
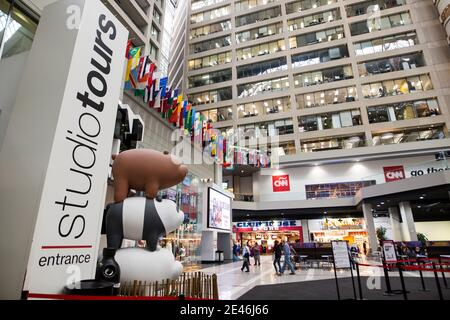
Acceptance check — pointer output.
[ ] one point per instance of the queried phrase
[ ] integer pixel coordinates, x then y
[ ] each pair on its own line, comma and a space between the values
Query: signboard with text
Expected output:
281, 183
389, 253
340, 254
394, 173
67, 231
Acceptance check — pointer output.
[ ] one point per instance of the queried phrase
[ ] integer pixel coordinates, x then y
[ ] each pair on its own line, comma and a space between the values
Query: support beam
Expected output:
394, 216
305, 231
408, 226
370, 226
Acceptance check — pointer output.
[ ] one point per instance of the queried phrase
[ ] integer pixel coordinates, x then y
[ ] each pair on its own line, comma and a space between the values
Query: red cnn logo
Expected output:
394, 173
281, 183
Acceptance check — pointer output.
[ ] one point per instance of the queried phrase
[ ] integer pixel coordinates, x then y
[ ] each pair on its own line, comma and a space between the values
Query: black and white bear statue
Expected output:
139, 218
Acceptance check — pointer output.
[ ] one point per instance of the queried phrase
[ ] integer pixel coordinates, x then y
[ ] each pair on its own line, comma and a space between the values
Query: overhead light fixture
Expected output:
387, 136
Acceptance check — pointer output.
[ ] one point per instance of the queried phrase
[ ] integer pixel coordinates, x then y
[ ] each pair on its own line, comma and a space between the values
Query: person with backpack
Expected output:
246, 257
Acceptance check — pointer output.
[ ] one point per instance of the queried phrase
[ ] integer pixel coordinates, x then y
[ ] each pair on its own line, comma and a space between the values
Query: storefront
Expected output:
185, 241
266, 232
352, 230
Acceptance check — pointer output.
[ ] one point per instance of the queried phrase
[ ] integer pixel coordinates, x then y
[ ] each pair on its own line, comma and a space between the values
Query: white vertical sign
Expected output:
340, 254
80, 46
390, 255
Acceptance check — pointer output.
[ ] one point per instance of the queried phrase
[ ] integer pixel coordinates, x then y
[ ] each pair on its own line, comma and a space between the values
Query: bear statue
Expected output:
145, 170
139, 218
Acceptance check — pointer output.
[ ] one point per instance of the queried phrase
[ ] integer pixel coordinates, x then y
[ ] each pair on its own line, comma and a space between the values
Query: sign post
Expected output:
341, 260
55, 158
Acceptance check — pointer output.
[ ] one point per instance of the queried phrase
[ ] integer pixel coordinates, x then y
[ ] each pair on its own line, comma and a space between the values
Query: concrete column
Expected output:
408, 226
396, 226
305, 231
370, 225
218, 174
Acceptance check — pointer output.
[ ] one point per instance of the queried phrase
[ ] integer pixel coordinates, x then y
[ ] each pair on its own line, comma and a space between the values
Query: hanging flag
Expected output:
127, 52
144, 70
136, 58
163, 86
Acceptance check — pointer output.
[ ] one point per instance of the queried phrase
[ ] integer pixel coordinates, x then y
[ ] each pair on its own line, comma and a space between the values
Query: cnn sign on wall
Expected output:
281, 183
394, 173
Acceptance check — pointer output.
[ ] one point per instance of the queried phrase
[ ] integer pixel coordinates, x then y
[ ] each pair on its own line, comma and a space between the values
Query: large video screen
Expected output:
219, 210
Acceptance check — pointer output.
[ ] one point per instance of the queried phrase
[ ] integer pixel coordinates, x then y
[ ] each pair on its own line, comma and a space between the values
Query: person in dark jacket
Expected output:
277, 256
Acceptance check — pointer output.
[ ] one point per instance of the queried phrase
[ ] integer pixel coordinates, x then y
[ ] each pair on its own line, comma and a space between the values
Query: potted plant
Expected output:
422, 238
381, 234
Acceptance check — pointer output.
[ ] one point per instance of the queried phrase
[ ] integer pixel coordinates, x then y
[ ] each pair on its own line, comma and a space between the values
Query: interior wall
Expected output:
11, 70
434, 230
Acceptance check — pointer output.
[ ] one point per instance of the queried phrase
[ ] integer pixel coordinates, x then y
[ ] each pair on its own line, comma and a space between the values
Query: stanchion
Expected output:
353, 281
402, 280
337, 284
388, 291
421, 275
359, 281
441, 297
443, 275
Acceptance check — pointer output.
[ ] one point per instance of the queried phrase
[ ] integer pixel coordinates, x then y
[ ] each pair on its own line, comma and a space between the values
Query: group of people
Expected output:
279, 249
248, 251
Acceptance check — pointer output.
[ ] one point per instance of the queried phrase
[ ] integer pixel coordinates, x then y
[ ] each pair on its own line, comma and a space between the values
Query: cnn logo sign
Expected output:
281, 183
394, 173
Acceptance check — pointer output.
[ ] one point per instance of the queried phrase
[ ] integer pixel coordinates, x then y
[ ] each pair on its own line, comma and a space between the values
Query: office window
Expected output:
323, 76
259, 87
330, 120
303, 5
212, 96
404, 111
388, 43
397, 86
261, 68
408, 135
218, 115
316, 37
204, 3
383, 23
157, 15
251, 4
315, 19
209, 61
326, 97
403, 62
333, 143
209, 78
210, 44
260, 50
210, 15
155, 33
210, 29
258, 16
258, 33
264, 107
153, 51
371, 6
319, 56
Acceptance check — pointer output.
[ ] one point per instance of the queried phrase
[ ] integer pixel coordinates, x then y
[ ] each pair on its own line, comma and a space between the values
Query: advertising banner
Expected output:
67, 230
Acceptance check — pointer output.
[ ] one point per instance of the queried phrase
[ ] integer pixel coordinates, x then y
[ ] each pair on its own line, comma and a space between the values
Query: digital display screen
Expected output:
219, 210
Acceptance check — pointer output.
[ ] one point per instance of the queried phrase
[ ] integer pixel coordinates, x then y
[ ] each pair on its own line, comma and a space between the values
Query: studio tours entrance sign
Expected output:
55, 159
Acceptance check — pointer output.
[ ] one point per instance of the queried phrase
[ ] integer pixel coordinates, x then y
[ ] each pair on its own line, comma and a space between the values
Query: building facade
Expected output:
352, 90
326, 74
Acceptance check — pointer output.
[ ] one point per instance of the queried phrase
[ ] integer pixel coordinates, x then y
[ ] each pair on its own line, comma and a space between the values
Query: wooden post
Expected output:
215, 287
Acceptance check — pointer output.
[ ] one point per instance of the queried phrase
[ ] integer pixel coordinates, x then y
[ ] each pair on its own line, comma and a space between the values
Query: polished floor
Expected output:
233, 283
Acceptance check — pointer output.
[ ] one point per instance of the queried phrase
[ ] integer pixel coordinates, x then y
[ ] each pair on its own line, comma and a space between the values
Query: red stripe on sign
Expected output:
65, 247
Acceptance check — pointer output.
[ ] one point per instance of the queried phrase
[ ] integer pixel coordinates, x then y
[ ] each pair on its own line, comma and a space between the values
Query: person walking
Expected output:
257, 253
287, 258
365, 248
246, 257
277, 249
235, 252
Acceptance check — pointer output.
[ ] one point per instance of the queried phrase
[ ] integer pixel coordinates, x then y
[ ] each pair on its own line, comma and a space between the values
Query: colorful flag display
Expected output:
141, 77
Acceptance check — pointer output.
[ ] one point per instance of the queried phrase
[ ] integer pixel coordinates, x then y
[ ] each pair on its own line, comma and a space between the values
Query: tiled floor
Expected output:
233, 283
